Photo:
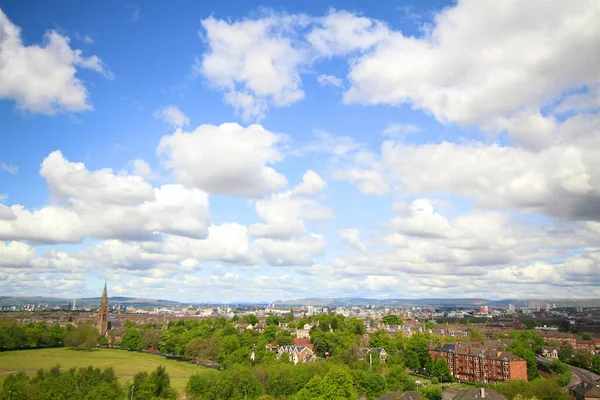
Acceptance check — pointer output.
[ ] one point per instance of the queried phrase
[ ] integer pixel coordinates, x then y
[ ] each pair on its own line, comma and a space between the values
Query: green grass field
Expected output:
126, 364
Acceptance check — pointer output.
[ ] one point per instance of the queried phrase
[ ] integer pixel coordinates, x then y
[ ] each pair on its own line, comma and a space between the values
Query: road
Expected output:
577, 374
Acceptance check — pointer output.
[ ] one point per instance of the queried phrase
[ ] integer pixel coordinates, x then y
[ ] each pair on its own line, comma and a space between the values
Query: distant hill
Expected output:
89, 301
315, 301
464, 302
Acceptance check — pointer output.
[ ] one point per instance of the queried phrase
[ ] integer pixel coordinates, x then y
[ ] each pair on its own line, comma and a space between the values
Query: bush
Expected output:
435, 380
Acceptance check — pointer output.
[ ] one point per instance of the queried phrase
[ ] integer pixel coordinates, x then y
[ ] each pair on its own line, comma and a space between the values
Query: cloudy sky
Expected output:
221, 151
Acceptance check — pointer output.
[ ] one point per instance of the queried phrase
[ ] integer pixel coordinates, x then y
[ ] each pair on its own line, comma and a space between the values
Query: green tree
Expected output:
397, 379
433, 392
392, 319
440, 369
132, 339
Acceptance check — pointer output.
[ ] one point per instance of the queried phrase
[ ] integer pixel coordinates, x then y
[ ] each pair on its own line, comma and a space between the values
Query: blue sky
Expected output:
280, 150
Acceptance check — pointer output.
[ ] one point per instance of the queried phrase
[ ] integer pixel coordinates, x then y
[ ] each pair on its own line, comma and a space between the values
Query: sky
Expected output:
257, 151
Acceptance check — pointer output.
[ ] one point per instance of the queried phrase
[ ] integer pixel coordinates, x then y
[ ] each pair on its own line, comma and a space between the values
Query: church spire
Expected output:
104, 296
102, 322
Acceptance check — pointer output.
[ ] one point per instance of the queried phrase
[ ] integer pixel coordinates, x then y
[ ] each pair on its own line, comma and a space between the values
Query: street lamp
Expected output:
9, 393
132, 386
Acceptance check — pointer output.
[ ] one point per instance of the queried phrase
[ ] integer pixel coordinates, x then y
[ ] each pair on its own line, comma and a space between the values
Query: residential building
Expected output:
304, 332
297, 353
586, 391
481, 361
363, 352
550, 352
560, 337
480, 394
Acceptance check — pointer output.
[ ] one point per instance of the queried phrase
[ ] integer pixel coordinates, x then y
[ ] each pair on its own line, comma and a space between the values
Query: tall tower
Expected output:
102, 323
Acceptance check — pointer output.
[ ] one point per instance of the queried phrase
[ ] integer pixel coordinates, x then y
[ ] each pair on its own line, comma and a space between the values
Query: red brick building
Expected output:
560, 337
481, 361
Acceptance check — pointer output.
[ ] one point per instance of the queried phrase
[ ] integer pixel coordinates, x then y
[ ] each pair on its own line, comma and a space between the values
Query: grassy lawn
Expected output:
126, 364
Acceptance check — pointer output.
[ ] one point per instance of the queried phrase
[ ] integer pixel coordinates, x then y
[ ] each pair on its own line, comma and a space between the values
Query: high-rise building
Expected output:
102, 322
511, 308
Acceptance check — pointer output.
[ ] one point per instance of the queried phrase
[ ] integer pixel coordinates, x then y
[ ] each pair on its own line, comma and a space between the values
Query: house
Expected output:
302, 342
560, 337
483, 362
260, 328
364, 351
297, 354
550, 352
586, 391
243, 327
411, 395
304, 332
585, 345
480, 393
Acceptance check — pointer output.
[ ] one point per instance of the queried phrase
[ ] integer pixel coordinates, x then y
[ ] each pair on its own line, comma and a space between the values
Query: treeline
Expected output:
86, 384
322, 380
14, 336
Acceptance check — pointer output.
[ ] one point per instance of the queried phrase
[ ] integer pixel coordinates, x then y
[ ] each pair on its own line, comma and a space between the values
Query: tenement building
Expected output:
483, 362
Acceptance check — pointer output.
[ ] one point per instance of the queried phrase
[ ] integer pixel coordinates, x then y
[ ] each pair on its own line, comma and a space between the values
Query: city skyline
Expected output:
245, 153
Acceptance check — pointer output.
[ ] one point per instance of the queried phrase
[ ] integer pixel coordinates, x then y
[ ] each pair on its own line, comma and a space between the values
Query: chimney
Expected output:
483, 393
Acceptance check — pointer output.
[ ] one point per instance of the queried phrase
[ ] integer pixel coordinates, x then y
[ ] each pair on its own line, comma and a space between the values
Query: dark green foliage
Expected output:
132, 339
433, 392
440, 370
85, 383
539, 388
562, 370
392, 320
156, 385
396, 379
370, 384
20, 336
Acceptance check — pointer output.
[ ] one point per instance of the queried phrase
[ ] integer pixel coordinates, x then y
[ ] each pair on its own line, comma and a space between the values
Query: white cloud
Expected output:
579, 102
341, 32
11, 169
172, 115
299, 251
41, 79
311, 184
330, 80
369, 181
254, 61
395, 129
226, 159
283, 215
68, 180
142, 168
352, 238
103, 205
513, 55
87, 39
559, 181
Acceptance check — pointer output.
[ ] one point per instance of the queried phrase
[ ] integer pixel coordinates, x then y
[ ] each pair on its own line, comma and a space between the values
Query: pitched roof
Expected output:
479, 394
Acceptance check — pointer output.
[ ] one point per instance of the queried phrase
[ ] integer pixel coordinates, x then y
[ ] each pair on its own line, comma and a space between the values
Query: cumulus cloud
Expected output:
513, 55
173, 116
41, 79
284, 214
103, 205
352, 238
299, 251
227, 159
254, 61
